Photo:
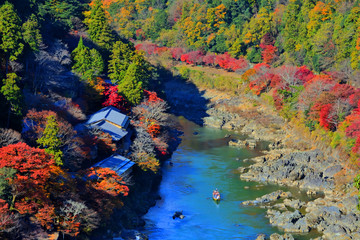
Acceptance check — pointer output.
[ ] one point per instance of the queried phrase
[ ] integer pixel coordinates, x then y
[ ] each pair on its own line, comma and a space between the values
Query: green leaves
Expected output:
12, 92
119, 61
50, 139
5, 187
131, 86
87, 63
10, 32
99, 29
31, 33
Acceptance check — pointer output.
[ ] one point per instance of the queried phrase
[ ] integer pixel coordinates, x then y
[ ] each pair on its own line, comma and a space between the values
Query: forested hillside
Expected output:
324, 35
302, 57
60, 61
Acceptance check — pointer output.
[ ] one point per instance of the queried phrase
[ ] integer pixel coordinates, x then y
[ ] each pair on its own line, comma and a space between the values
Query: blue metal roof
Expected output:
115, 132
111, 114
117, 163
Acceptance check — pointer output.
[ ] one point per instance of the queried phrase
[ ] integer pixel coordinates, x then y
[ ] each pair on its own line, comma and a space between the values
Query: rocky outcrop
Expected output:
306, 170
275, 236
271, 197
289, 163
250, 143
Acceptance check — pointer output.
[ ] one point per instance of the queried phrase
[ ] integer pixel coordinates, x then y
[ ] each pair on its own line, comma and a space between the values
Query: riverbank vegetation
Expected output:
302, 56
55, 57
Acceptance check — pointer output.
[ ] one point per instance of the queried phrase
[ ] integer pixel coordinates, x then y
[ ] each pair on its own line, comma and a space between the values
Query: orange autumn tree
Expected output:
30, 187
107, 180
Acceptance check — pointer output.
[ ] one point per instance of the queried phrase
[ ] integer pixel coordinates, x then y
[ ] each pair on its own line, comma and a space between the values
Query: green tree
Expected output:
81, 57
31, 33
144, 68
50, 139
131, 85
88, 63
61, 12
290, 30
99, 29
5, 187
97, 63
10, 32
120, 60
12, 93
257, 27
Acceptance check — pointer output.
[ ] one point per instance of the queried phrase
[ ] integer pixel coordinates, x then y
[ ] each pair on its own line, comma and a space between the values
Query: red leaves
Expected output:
107, 180
31, 185
324, 116
194, 57
209, 59
32, 164
268, 53
342, 91
149, 48
152, 96
113, 98
45, 216
177, 52
154, 130
304, 74
225, 61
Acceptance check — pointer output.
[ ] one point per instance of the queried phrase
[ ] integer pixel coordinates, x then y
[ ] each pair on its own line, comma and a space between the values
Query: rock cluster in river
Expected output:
306, 170
290, 162
335, 218
334, 214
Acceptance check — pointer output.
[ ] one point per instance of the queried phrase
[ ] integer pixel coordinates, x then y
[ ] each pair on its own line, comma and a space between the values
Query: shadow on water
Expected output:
202, 162
184, 97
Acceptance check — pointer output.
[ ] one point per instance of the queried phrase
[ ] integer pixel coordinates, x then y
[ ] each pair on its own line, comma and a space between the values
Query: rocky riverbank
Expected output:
290, 161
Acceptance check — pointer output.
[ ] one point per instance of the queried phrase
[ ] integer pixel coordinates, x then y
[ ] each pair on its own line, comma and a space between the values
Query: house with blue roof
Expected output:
121, 165
111, 121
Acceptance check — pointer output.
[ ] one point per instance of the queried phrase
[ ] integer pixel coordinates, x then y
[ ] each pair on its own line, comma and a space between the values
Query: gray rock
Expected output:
286, 236
261, 237
271, 197
332, 170
276, 236
289, 221
296, 204
237, 143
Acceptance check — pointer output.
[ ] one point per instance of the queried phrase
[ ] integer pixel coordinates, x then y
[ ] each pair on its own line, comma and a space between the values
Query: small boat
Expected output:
216, 195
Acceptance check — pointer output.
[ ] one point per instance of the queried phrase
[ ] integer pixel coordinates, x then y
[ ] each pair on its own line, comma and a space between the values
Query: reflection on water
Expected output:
202, 163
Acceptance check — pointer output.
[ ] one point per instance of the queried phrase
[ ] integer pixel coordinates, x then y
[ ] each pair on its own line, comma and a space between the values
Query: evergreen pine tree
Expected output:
119, 61
291, 26
50, 139
10, 32
131, 86
31, 33
99, 29
12, 92
97, 63
81, 56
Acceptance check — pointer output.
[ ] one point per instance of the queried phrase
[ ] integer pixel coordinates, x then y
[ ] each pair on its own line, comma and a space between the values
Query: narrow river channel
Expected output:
203, 162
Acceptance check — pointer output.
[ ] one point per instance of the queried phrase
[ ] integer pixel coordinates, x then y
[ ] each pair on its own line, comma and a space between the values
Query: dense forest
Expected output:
304, 55
61, 61
55, 57
300, 56
323, 35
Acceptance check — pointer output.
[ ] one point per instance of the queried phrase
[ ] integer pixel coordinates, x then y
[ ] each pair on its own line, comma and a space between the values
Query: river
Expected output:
202, 162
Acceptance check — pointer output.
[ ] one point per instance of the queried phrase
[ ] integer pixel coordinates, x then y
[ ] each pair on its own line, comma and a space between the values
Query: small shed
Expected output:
117, 163
110, 120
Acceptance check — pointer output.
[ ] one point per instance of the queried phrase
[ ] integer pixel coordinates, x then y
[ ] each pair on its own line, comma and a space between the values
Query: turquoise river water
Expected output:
203, 162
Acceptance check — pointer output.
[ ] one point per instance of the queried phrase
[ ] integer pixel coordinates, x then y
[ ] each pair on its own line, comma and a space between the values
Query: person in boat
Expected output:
216, 194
